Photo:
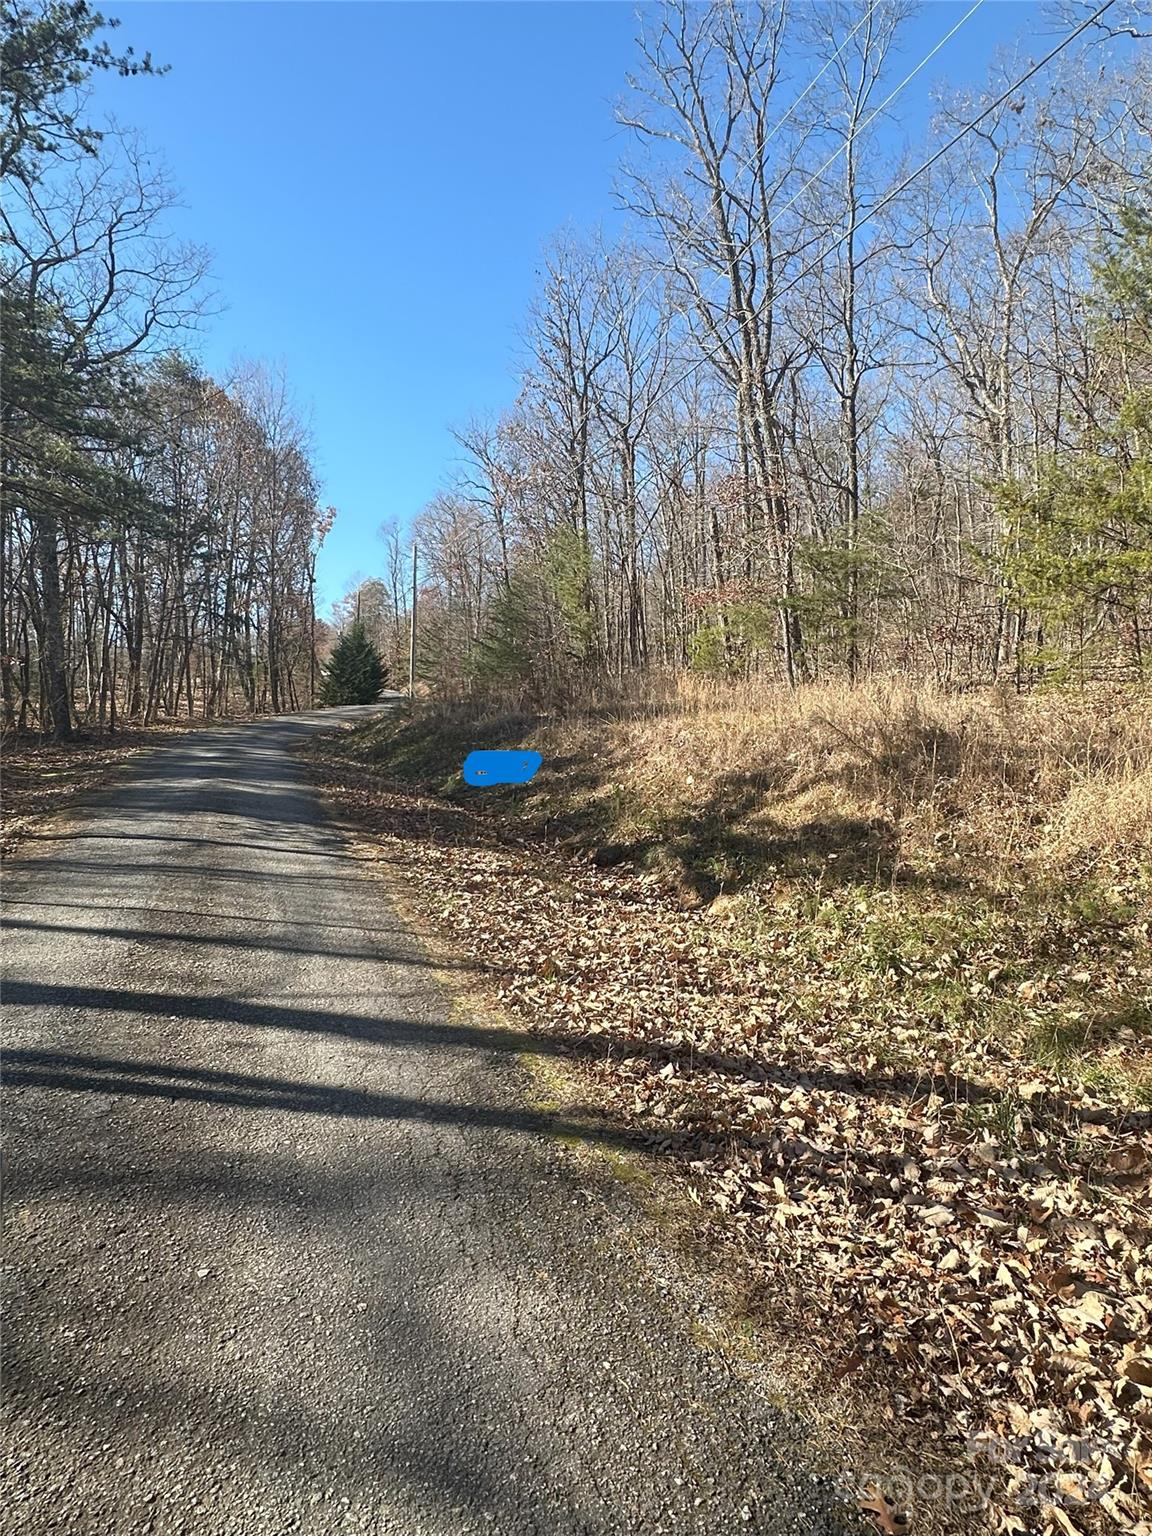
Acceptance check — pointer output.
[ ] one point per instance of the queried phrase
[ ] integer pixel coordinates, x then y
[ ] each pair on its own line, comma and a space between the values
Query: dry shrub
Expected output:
1113, 812
1055, 775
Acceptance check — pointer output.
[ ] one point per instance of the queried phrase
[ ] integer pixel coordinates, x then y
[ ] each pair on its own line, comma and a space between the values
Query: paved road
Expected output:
289, 1248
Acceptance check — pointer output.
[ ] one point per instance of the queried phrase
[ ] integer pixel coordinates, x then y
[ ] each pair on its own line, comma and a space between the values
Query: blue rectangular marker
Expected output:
483, 769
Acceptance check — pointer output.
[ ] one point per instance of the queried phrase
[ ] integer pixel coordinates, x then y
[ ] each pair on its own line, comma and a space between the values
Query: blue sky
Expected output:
377, 181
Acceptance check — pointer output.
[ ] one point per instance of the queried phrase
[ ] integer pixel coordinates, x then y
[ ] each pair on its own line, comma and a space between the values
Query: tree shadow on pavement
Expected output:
80, 1072
883, 1084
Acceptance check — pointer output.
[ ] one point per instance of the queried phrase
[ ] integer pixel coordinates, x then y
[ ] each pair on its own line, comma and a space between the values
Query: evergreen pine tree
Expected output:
1077, 555
511, 651
568, 573
355, 673
850, 586
47, 54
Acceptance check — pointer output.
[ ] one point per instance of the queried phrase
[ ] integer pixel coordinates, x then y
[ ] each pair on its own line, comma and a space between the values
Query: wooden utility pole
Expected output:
412, 634
312, 631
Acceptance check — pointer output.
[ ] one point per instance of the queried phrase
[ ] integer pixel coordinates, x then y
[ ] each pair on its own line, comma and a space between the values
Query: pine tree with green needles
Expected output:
510, 654
851, 584
1077, 556
47, 56
355, 673
568, 574
730, 649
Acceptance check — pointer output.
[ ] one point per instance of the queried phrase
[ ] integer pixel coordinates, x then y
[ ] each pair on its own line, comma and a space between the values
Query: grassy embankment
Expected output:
977, 864
874, 967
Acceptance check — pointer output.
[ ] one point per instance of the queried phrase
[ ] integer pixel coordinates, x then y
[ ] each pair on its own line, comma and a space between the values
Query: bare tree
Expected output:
713, 90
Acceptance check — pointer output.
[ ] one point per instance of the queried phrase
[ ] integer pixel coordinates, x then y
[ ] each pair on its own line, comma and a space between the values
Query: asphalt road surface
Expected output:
289, 1248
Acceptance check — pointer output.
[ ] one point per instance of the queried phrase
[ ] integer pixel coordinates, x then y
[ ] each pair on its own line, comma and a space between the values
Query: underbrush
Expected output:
744, 774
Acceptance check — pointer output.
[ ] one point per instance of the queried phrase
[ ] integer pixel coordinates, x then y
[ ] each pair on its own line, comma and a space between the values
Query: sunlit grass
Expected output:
941, 876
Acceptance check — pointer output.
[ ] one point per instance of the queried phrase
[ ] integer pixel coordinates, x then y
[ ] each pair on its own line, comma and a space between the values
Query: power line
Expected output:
746, 164
839, 150
896, 192
872, 116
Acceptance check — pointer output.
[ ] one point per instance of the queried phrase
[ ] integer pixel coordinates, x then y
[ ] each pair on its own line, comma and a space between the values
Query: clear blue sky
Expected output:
377, 182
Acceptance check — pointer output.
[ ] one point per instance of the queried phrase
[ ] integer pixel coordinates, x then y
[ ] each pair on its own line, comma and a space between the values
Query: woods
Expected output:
829, 408
160, 527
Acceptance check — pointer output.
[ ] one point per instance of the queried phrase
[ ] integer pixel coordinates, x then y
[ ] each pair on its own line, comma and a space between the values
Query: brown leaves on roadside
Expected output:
978, 1239
883, 1512
41, 779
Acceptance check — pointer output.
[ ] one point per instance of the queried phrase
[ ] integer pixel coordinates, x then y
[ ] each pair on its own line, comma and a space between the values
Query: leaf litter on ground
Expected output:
968, 1228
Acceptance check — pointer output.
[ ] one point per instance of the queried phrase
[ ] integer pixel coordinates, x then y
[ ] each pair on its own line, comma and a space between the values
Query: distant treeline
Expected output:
159, 528
832, 408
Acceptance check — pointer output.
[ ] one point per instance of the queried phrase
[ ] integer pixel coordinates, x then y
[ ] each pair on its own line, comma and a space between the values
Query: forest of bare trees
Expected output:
829, 409
160, 527
831, 405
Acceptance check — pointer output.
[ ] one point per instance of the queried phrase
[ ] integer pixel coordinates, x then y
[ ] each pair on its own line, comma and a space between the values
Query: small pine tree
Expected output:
850, 586
355, 673
1077, 551
511, 650
731, 649
568, 575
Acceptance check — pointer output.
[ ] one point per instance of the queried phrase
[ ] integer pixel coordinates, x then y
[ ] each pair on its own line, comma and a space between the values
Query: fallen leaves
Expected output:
41, 779
973, 1231
883, 1512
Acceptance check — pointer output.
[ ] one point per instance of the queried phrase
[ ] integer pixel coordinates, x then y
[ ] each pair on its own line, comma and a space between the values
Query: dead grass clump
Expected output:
1112, 811
976, 865
1047, 776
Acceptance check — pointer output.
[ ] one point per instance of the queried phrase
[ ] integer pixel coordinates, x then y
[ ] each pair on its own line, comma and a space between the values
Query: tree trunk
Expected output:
46, 536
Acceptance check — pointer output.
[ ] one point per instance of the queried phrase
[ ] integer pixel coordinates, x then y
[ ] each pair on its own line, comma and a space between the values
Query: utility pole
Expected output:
312, 630
412, 634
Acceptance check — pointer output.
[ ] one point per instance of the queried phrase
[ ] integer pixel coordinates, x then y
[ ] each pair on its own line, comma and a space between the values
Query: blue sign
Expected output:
483, 769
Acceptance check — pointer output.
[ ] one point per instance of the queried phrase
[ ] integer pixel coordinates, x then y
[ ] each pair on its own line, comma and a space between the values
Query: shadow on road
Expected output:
145, 1079
688, 1061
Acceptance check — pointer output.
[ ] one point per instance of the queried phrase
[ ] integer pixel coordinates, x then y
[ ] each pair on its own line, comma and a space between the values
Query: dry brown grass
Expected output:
1046, 776
887, 825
